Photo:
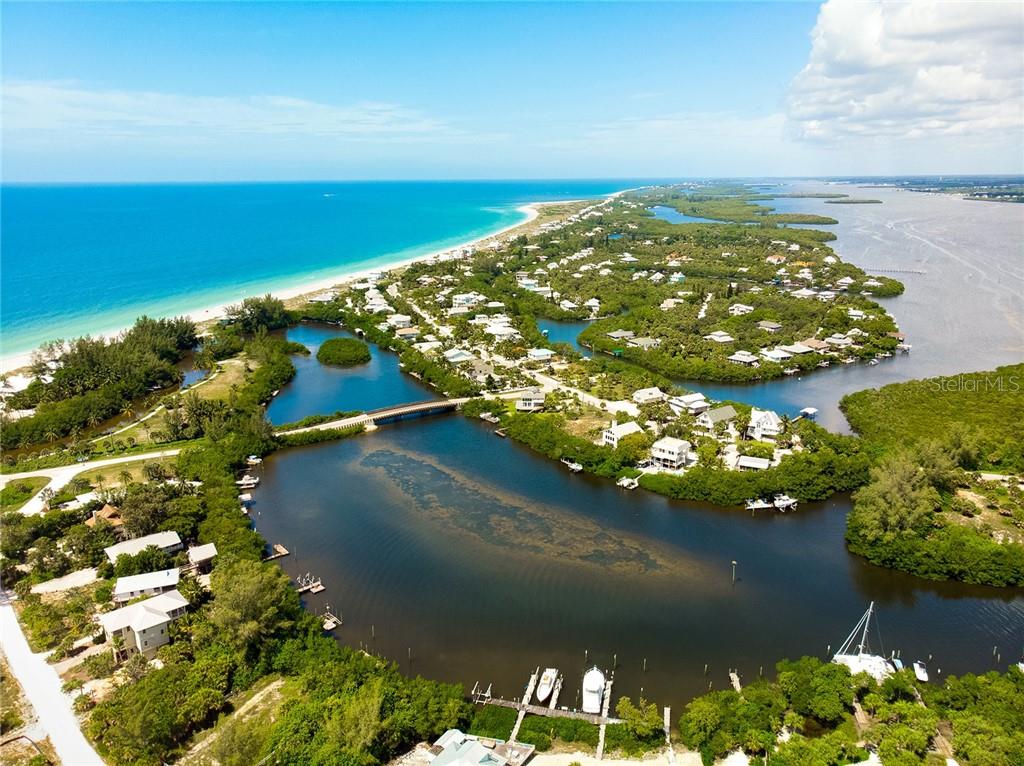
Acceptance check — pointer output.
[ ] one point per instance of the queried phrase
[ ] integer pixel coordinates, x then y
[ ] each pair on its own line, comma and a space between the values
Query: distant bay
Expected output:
82, 259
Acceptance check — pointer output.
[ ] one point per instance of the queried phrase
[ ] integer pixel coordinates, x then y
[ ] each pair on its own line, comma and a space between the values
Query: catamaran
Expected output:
857, 656
547, 683
593, 690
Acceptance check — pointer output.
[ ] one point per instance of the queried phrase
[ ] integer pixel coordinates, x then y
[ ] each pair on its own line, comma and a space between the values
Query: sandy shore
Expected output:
14, 363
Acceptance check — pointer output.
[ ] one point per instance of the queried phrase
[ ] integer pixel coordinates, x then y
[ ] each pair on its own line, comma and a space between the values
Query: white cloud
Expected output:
42, 111
917, 69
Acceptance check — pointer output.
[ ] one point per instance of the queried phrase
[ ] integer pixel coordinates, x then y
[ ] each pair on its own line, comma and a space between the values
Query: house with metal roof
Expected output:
169, 542
144, 627
148, 584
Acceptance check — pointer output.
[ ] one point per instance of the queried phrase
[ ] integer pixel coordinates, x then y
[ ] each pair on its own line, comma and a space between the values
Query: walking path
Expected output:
62, 475
42, 688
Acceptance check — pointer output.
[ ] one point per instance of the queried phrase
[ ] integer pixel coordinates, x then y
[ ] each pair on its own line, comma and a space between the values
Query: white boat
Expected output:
593, 690
857, 656
245, 497
873, 362
248, 481
823, 363
784, 502
896, 663
920, 671
572, 465
253, 460
627, 483
757, 504
547, 683
791, 370
809, 412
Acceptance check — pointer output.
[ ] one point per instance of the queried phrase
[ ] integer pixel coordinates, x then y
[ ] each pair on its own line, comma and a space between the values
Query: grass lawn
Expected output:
17, 493
111, 475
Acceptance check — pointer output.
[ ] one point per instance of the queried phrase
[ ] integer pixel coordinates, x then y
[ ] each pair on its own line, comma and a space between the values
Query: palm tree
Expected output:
125, 477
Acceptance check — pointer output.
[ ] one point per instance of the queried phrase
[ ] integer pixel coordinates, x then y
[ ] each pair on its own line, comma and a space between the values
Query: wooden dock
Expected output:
311, 586
669, 752
279, 552
605, 704
527, 695
555, 692
331, 620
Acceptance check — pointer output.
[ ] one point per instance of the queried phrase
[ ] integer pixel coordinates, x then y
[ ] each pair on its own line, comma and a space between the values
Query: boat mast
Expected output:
867, 623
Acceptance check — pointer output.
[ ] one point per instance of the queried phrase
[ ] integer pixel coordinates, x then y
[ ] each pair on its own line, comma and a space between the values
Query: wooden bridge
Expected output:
386, 415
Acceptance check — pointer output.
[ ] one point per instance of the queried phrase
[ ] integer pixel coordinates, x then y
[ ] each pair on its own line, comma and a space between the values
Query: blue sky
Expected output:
227, 91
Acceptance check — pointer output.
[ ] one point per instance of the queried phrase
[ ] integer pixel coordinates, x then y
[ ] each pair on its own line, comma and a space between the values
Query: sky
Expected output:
265, 91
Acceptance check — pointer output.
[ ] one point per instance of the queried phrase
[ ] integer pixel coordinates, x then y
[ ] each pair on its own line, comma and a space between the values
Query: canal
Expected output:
481, 560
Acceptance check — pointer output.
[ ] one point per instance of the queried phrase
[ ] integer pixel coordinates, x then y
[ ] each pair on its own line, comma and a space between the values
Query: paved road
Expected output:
42, 689
61, 475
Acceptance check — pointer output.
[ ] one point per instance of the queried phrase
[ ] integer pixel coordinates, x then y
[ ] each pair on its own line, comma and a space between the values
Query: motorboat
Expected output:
856, 655
572, 465
593, 690
784, 502
921, 671
627, 483
547, 683
757, 504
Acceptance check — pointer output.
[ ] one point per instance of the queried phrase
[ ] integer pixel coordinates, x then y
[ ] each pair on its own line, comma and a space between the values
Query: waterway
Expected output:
485, 560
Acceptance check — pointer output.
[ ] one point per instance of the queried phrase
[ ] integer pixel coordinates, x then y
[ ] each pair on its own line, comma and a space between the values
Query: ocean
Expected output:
78, 259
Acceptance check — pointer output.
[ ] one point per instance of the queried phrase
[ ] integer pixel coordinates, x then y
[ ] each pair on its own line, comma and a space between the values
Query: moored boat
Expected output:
757, 504
572, 465
784, 502
921, 671
627, 483
547, 683
593, 690
856, 654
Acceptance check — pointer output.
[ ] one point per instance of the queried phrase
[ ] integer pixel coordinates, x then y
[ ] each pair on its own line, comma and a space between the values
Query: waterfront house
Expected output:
803, 292
648, 395
743, 357
748, 463
144, 627
739, 309
616, 432
669, 452
408, 333
711, 418
148, 584
769, 326
567, 305
168, 542
107, 513
694, 404
845, 282
458, 356
776, 355
814, 344
621, 334
838, 341
719, 336
796, 349
531, 400
201, 556
645, 344
454, 748
540, 354
764, 424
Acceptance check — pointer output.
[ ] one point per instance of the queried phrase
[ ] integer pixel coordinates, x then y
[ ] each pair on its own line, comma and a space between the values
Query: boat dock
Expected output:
331, 620
605, 704
309, 584
667, 723
485, 698
279, 552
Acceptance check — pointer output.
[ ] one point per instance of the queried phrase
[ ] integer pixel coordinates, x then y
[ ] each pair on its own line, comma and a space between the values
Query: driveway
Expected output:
42, 689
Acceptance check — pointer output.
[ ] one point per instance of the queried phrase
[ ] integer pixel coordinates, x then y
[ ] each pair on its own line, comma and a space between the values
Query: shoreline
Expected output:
17, 362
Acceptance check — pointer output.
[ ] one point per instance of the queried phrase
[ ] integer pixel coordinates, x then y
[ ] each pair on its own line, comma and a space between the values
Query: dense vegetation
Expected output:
343, 352
989, 404
82, 383
908, 517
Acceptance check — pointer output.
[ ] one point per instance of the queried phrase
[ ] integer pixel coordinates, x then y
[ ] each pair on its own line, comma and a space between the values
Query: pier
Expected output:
605, 704
527, 708
309, 584
331, 620
279, 552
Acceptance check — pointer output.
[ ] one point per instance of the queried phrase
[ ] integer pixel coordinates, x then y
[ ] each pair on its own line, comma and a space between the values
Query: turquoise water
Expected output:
91, 258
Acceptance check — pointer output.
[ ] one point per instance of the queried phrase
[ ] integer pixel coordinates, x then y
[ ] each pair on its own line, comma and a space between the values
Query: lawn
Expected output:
17, 493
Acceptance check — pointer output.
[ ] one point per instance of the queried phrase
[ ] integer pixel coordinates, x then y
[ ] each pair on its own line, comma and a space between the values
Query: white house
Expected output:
669, 452
710, 418
769, 326
539, 354
839, 341
400, 320
743, 357
764, 423
644, 343
803, 292
144, 627
739, 309
648, 395
776, 355
567, 305
148, 584
531, 400
165, 541
458, 356
694, 404
202, 555
719, 336
748, 463
616, 432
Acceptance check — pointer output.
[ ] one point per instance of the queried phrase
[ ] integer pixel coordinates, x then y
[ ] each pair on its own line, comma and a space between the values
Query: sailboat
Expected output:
856, 654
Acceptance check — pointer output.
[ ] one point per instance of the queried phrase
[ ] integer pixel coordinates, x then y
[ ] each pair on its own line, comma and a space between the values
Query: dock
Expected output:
605, 704
310, 584
667, 723
279, 552
527, 695
555, 692
331, 620
485, 698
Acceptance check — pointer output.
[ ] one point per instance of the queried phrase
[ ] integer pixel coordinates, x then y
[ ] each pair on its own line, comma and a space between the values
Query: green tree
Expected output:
252, 602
